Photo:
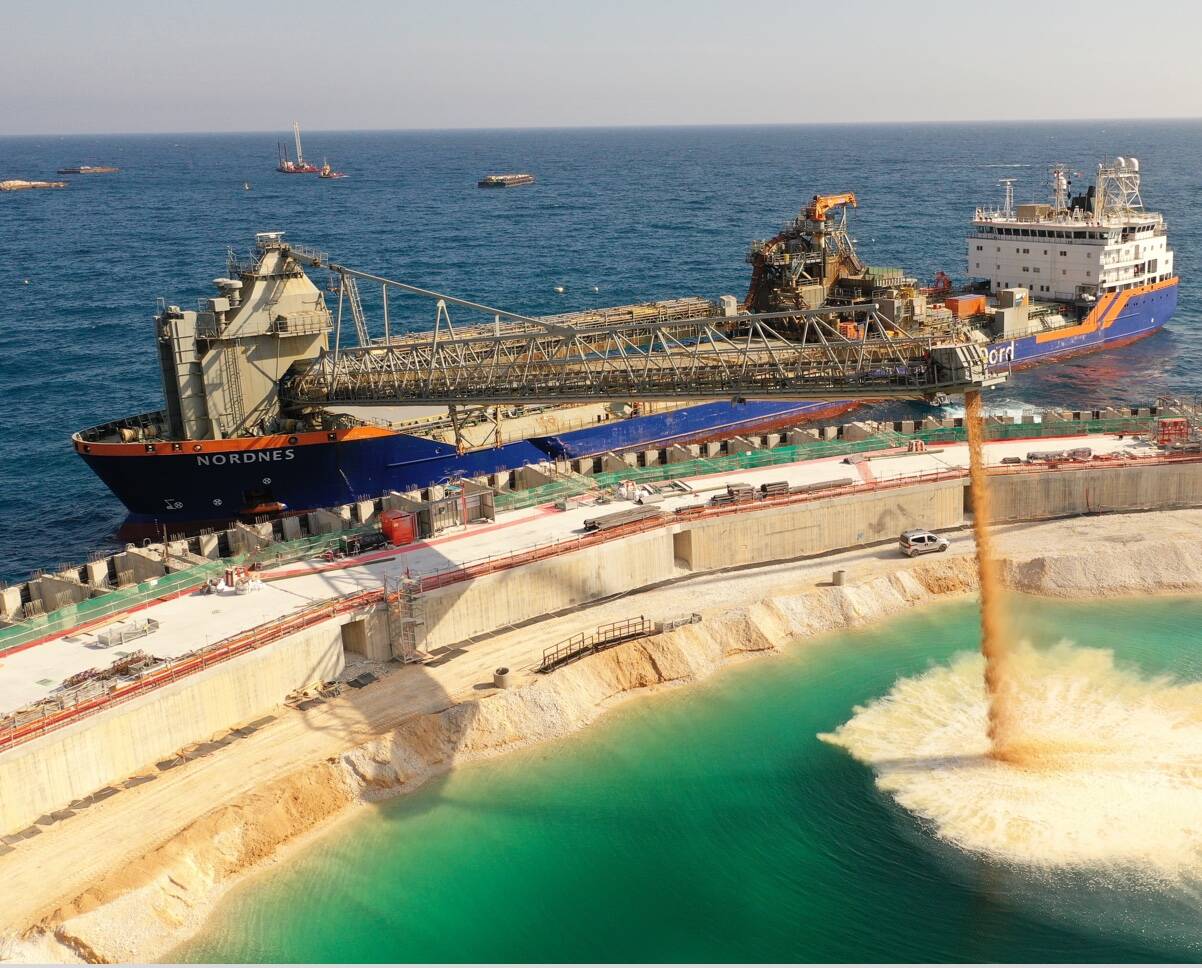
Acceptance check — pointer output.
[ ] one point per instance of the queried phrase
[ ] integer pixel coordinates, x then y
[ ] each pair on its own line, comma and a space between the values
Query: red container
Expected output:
399, 527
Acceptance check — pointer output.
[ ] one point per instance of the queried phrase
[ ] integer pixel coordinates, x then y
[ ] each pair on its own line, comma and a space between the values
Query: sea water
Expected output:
615, 215
712, 823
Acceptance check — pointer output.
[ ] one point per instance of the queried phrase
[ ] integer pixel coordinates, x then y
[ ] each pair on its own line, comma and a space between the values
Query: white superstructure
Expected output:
1075, 249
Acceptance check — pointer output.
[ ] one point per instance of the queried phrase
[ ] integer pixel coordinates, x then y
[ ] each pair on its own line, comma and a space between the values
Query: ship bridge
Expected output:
828, 353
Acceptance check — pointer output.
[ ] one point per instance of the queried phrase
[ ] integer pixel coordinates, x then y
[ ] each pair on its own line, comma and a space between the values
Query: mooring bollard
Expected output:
502, 678
838, 577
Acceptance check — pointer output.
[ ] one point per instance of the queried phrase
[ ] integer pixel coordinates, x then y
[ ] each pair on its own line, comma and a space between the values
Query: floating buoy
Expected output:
26, 281
596, 288
559, 289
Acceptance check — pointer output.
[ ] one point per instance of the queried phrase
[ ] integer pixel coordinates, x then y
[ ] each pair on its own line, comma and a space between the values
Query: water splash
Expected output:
1114, 779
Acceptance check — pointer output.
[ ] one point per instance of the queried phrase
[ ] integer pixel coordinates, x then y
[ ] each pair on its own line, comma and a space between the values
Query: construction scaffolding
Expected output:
406, 616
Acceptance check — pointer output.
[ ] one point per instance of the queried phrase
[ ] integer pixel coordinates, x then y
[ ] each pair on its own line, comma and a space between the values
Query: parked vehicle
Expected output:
920, 542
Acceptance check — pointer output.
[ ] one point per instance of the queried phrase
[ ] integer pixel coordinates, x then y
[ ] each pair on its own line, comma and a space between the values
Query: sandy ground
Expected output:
69, 856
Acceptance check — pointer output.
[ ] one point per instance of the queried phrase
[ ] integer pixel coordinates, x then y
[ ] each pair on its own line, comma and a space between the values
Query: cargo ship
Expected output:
226, 446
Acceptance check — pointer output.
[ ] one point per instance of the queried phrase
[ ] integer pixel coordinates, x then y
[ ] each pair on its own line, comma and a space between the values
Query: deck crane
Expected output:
788, 355
821, 204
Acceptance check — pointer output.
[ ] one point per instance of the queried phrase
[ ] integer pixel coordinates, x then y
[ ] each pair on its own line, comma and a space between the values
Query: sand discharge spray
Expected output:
1051, 758
995, 638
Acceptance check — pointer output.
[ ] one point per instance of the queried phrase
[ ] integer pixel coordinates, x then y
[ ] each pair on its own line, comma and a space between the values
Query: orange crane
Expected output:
821, 204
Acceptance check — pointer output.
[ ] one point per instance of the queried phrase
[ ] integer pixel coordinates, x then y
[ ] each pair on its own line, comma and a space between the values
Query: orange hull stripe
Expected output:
1105, 313
232, 445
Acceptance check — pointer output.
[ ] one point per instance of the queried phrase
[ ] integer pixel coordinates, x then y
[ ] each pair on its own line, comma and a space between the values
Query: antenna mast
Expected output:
1008, 204
296, 133
1059, 188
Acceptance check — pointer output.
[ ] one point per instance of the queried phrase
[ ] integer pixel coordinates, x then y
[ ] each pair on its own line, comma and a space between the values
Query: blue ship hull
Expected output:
214, 483
195, 488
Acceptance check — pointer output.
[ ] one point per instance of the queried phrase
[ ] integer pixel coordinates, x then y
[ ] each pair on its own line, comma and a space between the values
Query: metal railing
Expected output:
587, 643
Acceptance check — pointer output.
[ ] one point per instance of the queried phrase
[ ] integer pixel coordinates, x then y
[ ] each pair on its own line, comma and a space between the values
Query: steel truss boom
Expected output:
793, 355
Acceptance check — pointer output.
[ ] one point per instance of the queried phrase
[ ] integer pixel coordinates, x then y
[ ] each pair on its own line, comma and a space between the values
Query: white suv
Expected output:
919, 542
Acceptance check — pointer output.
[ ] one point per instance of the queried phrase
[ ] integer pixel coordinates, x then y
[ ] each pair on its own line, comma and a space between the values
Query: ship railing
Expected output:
301, 324
309, 252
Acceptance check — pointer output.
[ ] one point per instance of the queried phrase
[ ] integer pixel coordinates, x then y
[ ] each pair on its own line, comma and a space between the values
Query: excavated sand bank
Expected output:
141, 911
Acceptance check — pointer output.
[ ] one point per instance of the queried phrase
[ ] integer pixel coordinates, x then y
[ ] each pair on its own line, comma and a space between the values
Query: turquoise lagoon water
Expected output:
710, 824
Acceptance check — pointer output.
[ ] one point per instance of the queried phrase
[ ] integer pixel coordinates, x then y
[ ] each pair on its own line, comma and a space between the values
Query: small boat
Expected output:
246, 186
328, 172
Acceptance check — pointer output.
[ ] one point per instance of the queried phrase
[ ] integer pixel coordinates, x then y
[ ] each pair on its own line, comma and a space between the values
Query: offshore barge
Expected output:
1085, 273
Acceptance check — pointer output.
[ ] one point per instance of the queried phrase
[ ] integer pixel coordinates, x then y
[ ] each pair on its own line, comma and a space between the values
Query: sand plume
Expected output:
1111, 775
995, 636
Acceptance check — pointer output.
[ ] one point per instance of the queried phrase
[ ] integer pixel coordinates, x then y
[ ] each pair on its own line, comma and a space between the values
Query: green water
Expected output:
709, 824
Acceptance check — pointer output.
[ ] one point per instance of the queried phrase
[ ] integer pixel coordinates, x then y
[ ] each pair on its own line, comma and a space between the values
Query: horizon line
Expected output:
609, 127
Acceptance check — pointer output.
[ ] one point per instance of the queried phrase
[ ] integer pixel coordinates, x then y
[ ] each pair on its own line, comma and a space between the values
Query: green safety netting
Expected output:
818, 449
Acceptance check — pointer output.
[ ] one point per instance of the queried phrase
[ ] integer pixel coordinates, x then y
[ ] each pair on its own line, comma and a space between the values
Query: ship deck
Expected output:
196, 620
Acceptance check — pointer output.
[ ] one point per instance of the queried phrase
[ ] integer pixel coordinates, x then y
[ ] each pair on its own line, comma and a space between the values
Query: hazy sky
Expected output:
217, 65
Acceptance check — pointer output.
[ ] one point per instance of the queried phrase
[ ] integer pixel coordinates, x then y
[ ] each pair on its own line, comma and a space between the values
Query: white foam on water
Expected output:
1108, 773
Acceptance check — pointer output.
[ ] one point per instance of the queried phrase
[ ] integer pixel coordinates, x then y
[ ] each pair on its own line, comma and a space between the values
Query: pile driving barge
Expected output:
226, 446
285, 165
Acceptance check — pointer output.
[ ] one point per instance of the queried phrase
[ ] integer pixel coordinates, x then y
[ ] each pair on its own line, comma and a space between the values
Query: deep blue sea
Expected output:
636, 213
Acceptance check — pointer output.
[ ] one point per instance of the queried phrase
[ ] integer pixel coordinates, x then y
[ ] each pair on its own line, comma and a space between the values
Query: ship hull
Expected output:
225, 480
1117, 320
207, 482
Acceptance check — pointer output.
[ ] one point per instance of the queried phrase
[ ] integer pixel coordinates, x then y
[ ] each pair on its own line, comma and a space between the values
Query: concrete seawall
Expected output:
1038, 495
48, 773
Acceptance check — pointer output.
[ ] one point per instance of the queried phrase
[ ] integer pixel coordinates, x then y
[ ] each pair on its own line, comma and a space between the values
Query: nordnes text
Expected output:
245, 457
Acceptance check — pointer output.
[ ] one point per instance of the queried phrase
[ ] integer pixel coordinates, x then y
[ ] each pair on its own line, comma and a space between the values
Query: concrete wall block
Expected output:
329, 520
55, 591
532, 475
208, 545
47, 773
142, 564
291, 528
858, 431
651, 458
742, 445
364, 511
612, 462
10, 602
503, 599
98, 573
772, 440
801, 435
680, 453
822, 526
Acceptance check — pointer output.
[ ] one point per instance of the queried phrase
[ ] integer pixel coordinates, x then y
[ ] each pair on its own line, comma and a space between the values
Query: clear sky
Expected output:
83, 66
